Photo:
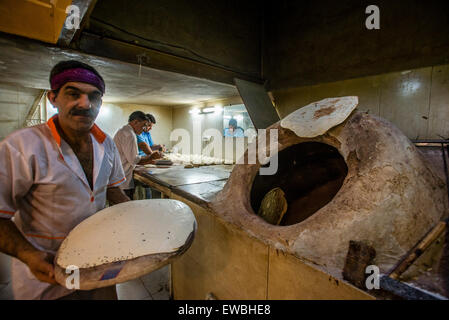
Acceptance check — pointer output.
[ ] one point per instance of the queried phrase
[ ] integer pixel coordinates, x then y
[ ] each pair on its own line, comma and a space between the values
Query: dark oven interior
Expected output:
310, 174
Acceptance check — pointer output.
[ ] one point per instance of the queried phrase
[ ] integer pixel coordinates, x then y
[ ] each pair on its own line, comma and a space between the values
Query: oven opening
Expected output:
309, 175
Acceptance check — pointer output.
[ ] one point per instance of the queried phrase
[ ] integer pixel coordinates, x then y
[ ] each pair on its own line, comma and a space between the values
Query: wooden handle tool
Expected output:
416, 251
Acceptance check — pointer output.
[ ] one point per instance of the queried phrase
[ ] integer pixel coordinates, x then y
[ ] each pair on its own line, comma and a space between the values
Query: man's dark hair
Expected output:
233, 123
71, 64
151, 118
138, 115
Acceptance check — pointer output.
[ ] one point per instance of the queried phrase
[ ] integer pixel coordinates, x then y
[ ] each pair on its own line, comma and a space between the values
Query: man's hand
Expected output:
115, 195
159, 147
41, 266
14, 244
155, 155
151, 158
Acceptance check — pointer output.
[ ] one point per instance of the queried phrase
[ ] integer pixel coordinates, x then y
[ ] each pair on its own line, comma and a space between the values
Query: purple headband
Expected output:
76, 75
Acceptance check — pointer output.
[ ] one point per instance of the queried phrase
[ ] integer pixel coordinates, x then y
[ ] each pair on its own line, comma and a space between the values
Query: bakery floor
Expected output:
153, 286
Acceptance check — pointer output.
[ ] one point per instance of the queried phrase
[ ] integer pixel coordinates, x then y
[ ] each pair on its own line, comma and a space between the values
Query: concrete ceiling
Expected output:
27, 63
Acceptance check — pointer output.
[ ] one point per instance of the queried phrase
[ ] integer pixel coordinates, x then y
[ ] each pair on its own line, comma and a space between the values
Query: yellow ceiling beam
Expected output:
36, 19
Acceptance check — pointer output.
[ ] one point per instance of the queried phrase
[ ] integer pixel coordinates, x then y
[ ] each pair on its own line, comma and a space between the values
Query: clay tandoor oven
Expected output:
346, 176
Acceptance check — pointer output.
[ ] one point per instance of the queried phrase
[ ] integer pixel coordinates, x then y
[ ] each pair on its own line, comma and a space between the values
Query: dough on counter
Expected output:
194, 159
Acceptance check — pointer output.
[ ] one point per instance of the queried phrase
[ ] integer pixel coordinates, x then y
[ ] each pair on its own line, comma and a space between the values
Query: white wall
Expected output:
182, 119
416, 101
15, 102
160, 132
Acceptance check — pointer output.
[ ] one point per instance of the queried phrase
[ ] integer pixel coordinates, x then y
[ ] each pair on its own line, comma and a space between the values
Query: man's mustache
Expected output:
82, 112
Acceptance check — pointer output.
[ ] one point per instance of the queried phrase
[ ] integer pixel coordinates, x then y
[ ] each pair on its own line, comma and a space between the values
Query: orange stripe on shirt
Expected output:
44, 237
7, 212
95, 130
51, 124
98, 134
110, 185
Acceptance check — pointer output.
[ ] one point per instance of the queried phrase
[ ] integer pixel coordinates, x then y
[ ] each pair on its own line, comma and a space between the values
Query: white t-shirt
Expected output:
126, 141
44, 189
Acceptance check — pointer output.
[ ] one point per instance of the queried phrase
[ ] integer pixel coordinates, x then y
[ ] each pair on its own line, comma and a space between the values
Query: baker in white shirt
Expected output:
52, 177
126, 141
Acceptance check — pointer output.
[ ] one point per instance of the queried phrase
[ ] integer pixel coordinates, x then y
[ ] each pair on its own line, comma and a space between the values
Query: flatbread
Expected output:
124, 242
317, 118
126, 231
